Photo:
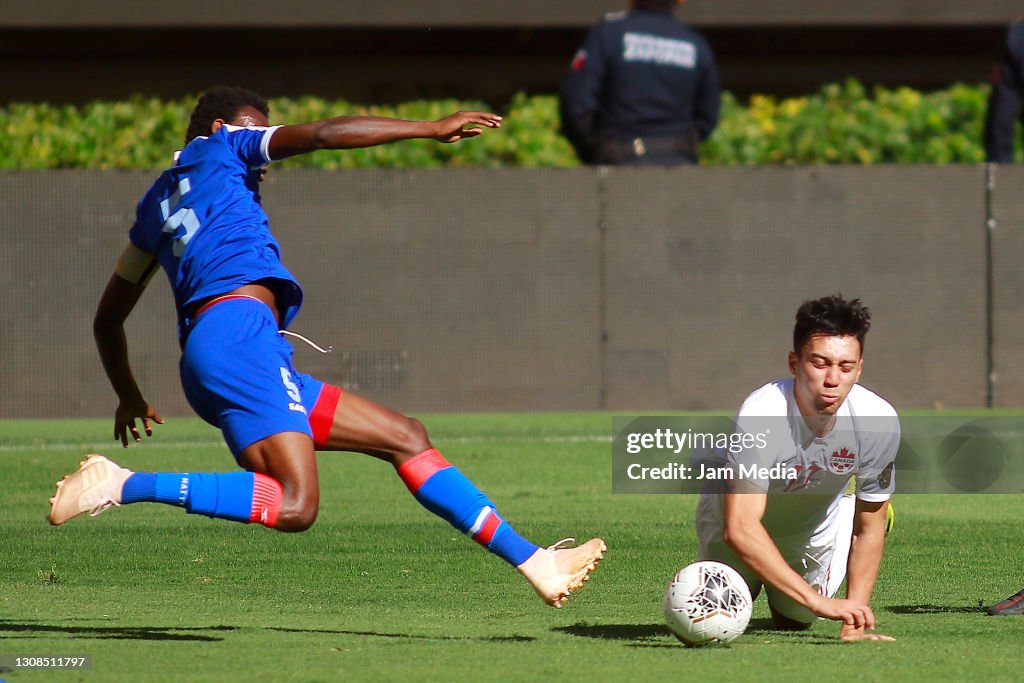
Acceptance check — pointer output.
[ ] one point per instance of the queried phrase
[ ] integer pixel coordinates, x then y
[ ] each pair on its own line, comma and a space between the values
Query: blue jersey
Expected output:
203, 220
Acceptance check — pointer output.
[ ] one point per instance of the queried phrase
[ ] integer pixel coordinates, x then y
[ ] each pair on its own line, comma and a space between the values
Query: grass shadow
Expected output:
10, 629
760, 625
633, 632
378, 634
765, 625
935, 609
37, 630
654, 635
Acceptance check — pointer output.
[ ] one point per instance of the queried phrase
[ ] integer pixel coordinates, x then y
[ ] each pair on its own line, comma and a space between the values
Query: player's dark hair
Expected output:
831, 316
221, 102
662, 5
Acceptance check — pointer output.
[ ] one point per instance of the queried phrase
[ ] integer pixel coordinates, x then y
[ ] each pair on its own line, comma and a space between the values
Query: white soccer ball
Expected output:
707, 602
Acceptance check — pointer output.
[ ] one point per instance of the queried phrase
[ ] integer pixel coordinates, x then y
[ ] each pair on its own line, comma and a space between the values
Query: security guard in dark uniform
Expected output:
642, 90
1004, 102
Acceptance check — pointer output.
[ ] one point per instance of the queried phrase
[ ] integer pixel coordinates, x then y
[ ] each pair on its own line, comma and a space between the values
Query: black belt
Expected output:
612, 149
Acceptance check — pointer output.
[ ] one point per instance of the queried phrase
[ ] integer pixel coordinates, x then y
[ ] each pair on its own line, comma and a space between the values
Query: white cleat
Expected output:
556, 571
93, 488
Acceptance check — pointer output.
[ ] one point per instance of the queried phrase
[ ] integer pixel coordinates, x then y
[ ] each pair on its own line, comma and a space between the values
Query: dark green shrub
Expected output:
840, 124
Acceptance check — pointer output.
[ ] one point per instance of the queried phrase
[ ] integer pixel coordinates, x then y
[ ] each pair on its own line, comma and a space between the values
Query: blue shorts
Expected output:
238, 376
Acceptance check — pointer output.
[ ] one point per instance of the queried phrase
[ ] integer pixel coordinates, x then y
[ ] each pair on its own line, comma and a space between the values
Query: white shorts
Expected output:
820, 560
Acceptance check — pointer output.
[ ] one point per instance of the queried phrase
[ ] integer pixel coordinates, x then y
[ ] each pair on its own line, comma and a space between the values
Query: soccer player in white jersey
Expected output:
785, 522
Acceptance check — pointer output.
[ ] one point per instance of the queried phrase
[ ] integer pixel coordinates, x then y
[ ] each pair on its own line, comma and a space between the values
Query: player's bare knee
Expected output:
411, 437
295, 520
297, 514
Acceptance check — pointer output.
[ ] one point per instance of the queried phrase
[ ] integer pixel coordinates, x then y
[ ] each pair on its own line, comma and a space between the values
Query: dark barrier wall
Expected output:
448, 13
706, 268
553, 289
391, 51
63, 232
450, 290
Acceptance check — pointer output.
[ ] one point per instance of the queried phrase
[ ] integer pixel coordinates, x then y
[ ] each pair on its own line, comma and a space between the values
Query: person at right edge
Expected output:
643, 89
1004, 100
1004, 109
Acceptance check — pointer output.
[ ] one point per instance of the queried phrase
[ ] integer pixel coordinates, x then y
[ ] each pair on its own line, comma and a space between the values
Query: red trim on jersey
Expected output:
322, 416
416, 471
266, 500
486, 533
220, 299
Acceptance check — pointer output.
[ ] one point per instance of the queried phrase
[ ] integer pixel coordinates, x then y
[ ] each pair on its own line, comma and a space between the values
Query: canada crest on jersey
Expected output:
841, 461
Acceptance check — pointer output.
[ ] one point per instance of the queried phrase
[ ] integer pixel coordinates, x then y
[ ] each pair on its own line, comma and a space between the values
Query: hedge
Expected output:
840, 124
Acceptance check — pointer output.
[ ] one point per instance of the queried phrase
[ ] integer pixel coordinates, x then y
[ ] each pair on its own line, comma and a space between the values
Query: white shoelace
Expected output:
564, 543
307, 340
103, 505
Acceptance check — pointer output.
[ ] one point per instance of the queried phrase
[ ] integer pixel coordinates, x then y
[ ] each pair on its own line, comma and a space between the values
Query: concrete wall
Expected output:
552, 289
706, 268
1008, 286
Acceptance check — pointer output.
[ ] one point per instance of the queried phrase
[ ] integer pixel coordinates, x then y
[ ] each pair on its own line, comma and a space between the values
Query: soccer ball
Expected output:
707, 602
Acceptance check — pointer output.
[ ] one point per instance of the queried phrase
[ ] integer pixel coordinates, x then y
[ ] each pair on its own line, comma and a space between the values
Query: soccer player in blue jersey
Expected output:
202, 222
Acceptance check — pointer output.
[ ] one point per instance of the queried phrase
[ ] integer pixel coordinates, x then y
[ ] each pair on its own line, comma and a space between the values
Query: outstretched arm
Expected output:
347, 132
746, 536
123, 290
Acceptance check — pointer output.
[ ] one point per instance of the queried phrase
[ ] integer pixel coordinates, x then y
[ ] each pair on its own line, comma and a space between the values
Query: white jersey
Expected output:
805, 475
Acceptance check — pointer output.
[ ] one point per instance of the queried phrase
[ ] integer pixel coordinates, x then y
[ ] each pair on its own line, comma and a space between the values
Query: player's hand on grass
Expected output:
124, 420
851, 634
453, 128
852, 613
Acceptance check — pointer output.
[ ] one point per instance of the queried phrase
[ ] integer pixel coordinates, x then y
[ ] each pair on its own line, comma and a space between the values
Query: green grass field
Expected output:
381, 590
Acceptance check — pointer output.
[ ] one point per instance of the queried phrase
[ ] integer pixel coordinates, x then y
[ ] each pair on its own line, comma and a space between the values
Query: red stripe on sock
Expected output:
322, 416
266, 500
486, 533
416, 471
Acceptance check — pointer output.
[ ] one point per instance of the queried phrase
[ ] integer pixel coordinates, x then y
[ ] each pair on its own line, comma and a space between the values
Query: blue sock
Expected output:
510, 546
225, 495
447, 493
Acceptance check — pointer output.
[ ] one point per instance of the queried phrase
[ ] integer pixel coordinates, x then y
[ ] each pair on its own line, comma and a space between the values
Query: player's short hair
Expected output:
222, 102
831, 316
